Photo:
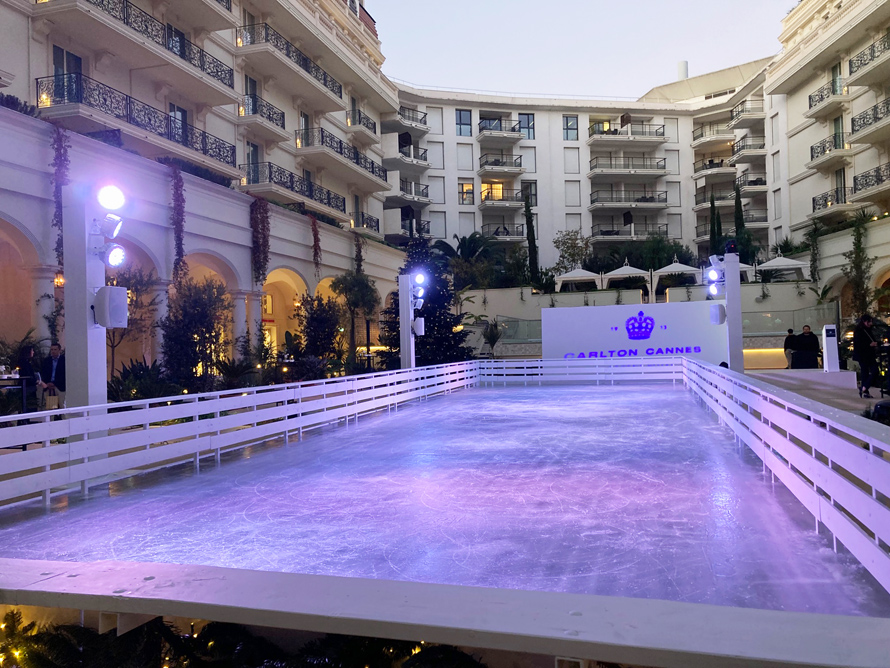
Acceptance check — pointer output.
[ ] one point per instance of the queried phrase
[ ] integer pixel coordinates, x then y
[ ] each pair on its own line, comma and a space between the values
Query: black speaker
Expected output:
628, 218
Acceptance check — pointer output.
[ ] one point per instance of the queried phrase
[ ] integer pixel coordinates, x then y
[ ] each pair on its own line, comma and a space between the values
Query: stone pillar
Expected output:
161, 294
239, 317
43, 289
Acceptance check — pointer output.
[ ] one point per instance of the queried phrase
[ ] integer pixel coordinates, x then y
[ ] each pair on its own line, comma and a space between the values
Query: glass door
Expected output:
179, 124
67, 68
250, 101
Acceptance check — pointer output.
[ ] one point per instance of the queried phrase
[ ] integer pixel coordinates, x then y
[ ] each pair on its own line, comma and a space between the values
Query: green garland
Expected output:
812, 238
316, 245
259, 229
177, 220
60, 164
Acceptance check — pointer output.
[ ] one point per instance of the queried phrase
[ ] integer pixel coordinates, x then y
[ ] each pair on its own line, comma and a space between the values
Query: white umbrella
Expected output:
624, 272
676, 267
782, 263
577, 276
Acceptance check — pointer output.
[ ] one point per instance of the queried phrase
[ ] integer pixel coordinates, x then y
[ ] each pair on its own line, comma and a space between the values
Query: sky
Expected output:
588, 48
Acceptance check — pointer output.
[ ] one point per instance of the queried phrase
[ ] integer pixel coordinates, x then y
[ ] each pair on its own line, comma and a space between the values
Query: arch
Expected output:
290, 277
282, 292
323, 289
23, 238
20, 288
146, 257
216, 264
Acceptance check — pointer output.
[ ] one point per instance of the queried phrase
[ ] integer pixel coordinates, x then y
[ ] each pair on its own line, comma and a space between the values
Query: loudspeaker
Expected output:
419, 327
628, 218
718, 314
110, 307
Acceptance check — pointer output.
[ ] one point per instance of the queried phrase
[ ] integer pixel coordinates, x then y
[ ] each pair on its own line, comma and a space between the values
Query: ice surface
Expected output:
614, 490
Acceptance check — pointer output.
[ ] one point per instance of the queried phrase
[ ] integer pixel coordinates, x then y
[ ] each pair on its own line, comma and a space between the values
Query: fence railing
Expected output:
748, 144
358, 117
710, 163
415, 153
627, 196
630, 130
420, 227
263, 33
870, 116
502, 195
826, 92
704, 196
831, 198
749, 180
872, 178
504, 230
80, 89
869, 54
412, 115
255, 105
837, 141
627, 163
366, 221
746, 107
415, 189
499, 125
702, 132
494, 160
309, 137
267, 172
632, 230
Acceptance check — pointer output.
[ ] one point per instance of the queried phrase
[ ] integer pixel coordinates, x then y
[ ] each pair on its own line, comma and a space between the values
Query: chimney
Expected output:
682, 70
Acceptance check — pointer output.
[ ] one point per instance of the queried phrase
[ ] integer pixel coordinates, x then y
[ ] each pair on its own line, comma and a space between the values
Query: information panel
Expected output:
635, 331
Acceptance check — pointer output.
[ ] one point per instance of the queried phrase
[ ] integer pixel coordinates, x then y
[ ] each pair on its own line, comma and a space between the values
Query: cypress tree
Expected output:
716, 232
534, 269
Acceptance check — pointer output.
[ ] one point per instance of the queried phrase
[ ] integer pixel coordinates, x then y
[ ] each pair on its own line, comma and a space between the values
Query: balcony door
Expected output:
250, 93
840, 182
176, 42
252, 154
304, 130
179, 124
66, 70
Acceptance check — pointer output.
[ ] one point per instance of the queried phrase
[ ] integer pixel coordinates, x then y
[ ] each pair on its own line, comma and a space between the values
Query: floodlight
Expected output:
110, 197
713, 289
110, 226
419, 292
113, 255
420, 279
713, 275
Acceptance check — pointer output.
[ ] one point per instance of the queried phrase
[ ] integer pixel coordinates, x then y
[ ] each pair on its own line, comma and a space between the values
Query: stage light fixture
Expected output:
113, 255
110, 226
111, 198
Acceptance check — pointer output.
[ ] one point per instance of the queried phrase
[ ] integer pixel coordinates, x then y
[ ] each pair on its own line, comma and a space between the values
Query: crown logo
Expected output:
640, 327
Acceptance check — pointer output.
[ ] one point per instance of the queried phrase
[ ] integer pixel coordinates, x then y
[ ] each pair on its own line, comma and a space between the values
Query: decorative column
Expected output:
43, 289
161, 293
239, 316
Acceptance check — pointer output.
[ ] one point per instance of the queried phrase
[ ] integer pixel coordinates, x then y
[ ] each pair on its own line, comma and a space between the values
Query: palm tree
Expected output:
492, 334
361, 299
465, 260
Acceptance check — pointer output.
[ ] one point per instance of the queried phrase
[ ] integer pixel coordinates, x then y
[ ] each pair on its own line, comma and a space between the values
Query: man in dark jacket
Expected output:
52, 373
806, 350
790, 344
865, 351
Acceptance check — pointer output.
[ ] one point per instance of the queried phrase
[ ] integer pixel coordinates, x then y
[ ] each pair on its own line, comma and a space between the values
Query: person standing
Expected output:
27, 373
52, 373
790, 343
865, 351
807, 350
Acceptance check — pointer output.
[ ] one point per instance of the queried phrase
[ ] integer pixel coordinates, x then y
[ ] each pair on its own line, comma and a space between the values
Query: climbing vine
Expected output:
316, 245
259, 228
177, 221
60, 164
359, 252
812, 239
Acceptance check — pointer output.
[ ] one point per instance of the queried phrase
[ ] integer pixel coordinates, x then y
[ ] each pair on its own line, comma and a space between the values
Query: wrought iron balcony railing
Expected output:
266, 172
255, 105
627, 163
421, 227
872, 178
756, 215
466, 197
831, 198
80, 89
504, 230
751, 180
366, 221
630, 130
225, 3
415, 189
748, 144
321, 137
746, 107
702, 132
499, 125
263, 33
869, 54
629, 196
871, 116
829, 90
704, 196
493, 160
412, 115
710, 163
149, 27
633, 230
358, 117
704, 229
418, 153
502, 195
831, 143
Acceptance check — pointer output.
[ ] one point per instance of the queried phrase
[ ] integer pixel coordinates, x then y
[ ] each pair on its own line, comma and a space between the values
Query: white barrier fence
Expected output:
93, 445
835, 463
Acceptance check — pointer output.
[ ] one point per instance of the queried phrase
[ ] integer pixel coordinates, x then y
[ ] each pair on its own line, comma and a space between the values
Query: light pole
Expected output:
411, 291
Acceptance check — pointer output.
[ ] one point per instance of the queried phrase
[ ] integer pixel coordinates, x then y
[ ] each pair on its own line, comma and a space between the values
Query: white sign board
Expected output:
635, 330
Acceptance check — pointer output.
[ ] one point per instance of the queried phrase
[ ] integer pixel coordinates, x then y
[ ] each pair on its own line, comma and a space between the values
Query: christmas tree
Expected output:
444, 339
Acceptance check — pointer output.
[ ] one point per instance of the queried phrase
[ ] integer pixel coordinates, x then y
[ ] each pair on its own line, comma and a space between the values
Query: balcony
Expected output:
422, 227
409, 193
833, 206
506, 165
361, 127
412, 160
407, 120
280, 185
606, 134
873, 185
871, 66
873, 125
85, 105
831, 153
829, 100
628, 199
722, 199
626, 170
711, 137
324, 149
141, 42
634, 231
360, 220
496, 198
504, 231
713, 169
748, 150
752, 184
270, 54
264, 120
500, 132
747, 115
727, 229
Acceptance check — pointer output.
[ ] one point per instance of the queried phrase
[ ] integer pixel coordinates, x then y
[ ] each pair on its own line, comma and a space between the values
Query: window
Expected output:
465, 192
179, 124
777, 204
570, 128
307, 176
252, 153
530, 190
527, 125
66, 88
464, 120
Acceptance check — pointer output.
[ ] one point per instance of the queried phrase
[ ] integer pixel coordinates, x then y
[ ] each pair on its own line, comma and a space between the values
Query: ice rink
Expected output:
613, 490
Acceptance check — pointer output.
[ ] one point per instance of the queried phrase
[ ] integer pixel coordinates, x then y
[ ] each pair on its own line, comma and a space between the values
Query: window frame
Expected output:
461, 128
567, 129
